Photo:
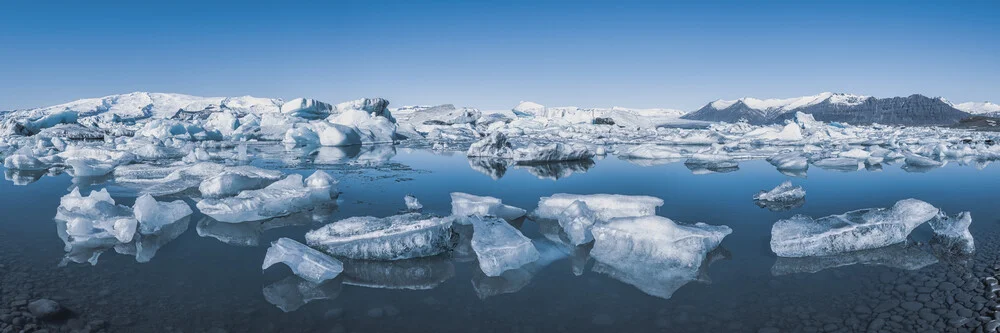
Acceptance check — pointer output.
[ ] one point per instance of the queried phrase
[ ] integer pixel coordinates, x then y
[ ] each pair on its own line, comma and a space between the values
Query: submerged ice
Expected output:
499, 246
656, 238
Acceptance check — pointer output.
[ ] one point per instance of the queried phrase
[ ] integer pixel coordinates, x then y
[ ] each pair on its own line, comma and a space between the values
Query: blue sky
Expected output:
492, 55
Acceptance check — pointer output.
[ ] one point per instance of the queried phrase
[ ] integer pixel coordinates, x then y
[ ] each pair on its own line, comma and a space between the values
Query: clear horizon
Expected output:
631, 54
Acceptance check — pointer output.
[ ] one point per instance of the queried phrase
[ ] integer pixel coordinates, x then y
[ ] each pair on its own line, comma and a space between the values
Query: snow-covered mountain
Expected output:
979, 108
140, 105
847, 108
621, 116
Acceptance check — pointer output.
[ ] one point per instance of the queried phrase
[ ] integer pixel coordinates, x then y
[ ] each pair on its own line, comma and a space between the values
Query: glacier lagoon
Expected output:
201, 274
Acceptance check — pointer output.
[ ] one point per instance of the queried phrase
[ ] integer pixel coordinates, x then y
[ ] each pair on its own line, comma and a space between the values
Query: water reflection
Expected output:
143, 245
513, 280
291, 293
700, 167
412, 274
497, 168
900, 256
23, 177
556, 171
780, 206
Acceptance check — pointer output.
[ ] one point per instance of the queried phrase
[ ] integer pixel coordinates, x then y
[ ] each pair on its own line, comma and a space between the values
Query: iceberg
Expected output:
499, 246
803, 236
845, 164
464, 205
495, 145
577, 221
789, 162
553, 152
281, 198
24, 162
153, 215
306, 108
95, 217
953, 232
604, 206
655, 238
307, 263
391, 238
919, 161
651, 152
236, 179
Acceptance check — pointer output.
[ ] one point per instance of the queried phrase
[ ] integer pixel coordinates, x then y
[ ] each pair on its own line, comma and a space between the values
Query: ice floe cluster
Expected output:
204, 149
92, 138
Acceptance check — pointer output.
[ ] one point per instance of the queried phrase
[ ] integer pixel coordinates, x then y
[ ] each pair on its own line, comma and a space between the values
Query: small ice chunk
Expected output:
304, 261
922, 161
605, 206
803, 236
323, 185
412, 204
95, 216
789, 161
499, 246
856, 153
651, 152
390, 238
283, 197
464, 204
703, 163
153, 215
577, 221
655, 238
236, 179
839, 164
954, 231
785, 192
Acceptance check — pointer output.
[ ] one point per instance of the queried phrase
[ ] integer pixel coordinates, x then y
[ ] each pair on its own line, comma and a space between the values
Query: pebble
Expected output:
911, 306
602, 319
45, 308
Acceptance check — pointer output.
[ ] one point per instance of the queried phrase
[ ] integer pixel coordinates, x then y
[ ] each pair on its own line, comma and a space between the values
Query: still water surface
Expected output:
209, 277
